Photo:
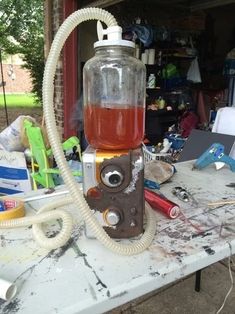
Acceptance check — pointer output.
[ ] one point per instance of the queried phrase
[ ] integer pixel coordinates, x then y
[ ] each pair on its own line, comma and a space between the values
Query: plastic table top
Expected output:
84, 277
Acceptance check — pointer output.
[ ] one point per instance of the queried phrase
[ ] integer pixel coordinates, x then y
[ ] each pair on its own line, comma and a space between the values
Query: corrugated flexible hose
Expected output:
76, 195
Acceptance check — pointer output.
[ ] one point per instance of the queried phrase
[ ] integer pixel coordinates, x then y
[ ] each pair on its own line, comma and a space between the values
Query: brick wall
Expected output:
65, 77
57, 18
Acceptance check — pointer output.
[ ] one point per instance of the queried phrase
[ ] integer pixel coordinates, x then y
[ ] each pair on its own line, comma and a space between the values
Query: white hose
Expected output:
76, 195
48, 91
46, 214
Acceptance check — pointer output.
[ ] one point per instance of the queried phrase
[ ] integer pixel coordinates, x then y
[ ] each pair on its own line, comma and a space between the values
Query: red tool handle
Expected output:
162, 204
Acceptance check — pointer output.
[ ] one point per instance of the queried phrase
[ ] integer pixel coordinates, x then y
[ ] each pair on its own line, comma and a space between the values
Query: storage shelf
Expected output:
161, 112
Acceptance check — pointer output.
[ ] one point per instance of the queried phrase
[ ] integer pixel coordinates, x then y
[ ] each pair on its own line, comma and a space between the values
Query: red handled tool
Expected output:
162, 204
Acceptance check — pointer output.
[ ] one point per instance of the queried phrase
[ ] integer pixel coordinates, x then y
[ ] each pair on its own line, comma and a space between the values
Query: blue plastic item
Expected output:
2, 206
177, 142
151, 184
214, 154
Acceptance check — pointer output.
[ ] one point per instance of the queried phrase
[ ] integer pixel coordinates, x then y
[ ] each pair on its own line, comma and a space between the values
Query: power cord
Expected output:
231, 277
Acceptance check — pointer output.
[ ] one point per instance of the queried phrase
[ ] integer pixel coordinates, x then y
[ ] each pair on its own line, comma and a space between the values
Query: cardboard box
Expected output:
14, 175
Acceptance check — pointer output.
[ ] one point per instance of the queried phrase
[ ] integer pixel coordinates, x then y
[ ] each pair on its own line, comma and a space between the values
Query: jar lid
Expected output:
114, 37
106, 42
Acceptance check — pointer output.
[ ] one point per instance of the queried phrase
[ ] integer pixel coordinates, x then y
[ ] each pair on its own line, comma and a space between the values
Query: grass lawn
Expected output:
18, 100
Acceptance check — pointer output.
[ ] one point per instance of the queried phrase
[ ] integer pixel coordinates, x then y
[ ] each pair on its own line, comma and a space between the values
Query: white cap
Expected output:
114, 34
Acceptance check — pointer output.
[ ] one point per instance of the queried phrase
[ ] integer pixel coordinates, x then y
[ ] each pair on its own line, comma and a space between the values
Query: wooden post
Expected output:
70, 70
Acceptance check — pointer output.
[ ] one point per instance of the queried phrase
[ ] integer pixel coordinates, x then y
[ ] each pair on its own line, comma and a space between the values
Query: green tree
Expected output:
21, 31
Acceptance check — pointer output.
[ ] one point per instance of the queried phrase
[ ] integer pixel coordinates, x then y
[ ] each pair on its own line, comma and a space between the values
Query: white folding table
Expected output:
84, 277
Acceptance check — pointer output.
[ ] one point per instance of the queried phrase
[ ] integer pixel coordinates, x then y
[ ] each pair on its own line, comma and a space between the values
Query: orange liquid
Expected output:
114, 128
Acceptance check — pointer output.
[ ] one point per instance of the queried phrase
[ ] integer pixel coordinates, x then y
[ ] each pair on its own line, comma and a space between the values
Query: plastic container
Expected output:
114, 98
150, 156
151, 81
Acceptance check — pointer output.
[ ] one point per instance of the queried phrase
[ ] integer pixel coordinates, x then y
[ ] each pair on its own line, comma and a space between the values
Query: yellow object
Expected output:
14, 209
221, 203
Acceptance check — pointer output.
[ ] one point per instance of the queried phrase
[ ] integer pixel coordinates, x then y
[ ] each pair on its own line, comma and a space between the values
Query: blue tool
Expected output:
214, 154
151, 184
2, 206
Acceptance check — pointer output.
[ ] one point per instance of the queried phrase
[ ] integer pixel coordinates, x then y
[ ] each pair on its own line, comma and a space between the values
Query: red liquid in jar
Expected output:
114, 128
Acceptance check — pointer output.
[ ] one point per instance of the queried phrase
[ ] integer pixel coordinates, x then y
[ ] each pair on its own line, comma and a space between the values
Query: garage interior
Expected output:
178, 32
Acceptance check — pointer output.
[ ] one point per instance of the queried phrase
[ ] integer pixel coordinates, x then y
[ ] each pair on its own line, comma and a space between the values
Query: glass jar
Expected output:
114, 98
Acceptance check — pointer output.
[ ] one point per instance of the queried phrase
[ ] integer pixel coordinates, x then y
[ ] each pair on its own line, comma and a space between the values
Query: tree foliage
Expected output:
21, 31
